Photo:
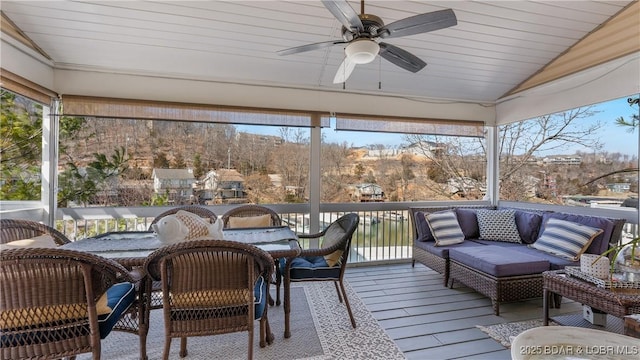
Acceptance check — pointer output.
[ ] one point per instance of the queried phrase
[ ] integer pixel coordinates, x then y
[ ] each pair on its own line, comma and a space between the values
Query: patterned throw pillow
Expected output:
445, 228
565, 238
498, 225
198, 227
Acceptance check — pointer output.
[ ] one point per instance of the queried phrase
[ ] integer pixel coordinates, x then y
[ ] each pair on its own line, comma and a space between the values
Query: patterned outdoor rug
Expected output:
503, 333
320, 330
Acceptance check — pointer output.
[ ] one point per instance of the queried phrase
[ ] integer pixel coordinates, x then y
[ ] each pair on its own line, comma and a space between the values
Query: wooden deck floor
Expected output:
430, 321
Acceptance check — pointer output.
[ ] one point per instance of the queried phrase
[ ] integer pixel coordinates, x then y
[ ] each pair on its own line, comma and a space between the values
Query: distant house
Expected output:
619, 187
465, 185
562, 160
176, 183
367, 192
223, 186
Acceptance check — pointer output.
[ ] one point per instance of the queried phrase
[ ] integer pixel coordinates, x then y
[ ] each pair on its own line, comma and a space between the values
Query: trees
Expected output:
519, 147
20, 147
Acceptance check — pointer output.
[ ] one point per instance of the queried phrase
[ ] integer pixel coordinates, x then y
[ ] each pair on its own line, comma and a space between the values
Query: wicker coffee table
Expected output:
616, 302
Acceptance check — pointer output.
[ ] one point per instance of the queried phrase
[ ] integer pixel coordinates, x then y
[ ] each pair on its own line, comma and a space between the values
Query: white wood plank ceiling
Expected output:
495, 46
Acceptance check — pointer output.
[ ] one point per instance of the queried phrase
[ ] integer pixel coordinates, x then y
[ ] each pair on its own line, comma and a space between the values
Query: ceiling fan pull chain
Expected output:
379, 73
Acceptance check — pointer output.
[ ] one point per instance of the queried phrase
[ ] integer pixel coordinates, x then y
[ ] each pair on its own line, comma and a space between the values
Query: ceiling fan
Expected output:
362, 34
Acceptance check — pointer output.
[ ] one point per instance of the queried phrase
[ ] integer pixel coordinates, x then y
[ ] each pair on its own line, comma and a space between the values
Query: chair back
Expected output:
249, 216
338, 235
48, 302
208, 285
18, 229
198, 210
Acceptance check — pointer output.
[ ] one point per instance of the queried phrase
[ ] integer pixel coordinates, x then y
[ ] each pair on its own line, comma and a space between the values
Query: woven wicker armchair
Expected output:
251, 211
212, 287
12, 230
50, 305
198, 210
327, 263
246, 211
156, 296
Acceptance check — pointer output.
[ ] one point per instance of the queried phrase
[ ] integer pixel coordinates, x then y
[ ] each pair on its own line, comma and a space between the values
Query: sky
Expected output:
614, 138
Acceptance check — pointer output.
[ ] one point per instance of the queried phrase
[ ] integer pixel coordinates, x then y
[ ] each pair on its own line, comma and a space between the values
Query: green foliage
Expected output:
198, 167
82, 184
20, 148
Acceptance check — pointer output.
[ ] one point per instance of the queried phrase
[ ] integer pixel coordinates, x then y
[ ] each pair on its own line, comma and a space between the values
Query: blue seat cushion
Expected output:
260, 296
119, 299
499, 261
313, 267
443, 251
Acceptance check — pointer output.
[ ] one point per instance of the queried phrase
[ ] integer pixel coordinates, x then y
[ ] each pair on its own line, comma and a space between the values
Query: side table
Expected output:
616, 302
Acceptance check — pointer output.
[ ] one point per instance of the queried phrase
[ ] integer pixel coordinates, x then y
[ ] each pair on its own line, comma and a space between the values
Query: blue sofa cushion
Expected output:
468, 222
119, 299
528, 224
555, 262
443, 251
422, 228
499, 261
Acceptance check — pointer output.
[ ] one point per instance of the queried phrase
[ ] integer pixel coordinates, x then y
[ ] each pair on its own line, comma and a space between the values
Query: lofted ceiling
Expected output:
495, 47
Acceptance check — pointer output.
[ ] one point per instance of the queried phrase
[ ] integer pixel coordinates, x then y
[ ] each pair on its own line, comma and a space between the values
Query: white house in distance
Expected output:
176, 183
223, 186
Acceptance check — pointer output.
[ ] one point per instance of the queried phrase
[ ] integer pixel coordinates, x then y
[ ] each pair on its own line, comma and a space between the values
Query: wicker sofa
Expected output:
501, 270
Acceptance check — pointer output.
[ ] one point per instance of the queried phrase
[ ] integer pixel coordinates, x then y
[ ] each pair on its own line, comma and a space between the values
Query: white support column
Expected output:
314, 174
49, 186
493, 161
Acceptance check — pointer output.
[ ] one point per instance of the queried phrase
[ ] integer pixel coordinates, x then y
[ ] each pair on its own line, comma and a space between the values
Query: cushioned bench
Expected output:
502, 274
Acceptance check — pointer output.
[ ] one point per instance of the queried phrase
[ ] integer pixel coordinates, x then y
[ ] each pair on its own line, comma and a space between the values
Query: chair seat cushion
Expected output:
313, 267
260, 296
119, 299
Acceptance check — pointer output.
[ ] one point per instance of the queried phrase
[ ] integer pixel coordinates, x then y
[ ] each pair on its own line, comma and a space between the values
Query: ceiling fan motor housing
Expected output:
371, 23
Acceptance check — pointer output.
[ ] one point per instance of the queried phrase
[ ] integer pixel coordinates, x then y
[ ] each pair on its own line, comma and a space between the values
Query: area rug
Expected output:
320, 330
503, 333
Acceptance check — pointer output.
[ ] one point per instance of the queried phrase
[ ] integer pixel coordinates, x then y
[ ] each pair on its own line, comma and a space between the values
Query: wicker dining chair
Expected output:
212, 287
195, 209
249, 216
52, 302
18, 229
245, 215
156, 295
328, 262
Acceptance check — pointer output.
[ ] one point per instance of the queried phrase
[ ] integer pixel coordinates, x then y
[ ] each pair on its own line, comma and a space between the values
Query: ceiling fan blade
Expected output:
344, 71
400, 57
344, 13
420, 24
309, 47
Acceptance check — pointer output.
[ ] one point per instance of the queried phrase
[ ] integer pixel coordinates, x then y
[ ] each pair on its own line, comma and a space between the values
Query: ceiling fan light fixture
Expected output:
362, 51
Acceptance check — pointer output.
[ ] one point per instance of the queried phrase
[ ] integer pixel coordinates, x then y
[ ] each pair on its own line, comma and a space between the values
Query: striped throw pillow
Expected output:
565, 238
445, 228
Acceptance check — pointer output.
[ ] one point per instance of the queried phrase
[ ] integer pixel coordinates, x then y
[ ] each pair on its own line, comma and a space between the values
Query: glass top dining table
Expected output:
131, 248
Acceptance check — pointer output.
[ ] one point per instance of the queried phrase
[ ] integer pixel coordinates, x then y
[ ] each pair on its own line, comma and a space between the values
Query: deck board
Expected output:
430, 321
